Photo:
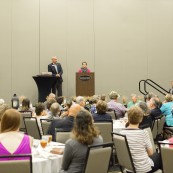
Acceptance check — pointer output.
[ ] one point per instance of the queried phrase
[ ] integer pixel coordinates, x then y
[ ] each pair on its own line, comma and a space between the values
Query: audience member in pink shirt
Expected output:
11, 140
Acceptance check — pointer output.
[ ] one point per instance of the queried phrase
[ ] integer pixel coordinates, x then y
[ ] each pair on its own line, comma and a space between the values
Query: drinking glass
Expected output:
43, 143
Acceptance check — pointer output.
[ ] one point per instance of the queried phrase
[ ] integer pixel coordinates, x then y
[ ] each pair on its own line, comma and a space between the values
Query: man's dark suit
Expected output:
58, 83
155, 113
64, 125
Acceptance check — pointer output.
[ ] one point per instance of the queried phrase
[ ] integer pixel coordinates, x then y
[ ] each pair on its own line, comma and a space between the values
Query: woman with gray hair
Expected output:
147, 120
54, 111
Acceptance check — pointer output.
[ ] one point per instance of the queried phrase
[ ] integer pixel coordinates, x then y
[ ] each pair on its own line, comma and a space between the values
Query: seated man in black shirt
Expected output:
154, 106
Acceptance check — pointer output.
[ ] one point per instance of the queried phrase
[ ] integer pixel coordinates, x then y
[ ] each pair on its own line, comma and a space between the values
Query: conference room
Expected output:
86, 48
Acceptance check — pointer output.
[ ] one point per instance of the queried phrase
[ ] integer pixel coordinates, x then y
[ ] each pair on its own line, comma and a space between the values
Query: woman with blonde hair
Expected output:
11, 140
83, 134
101, 114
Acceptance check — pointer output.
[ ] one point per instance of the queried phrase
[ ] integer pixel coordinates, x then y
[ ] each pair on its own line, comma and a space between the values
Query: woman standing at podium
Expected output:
84, 68
57, 71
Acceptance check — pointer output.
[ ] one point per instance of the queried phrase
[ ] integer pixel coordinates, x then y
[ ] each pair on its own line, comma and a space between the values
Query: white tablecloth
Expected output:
45, 162
118, 125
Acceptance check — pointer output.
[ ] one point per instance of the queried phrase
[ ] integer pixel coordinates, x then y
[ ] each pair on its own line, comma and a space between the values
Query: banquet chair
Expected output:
98, 157
157, 127
151, 138
45, 123
24, 114
112, 113
106, 129
61, 136
125, 159
32, 127
166, 150
16, 164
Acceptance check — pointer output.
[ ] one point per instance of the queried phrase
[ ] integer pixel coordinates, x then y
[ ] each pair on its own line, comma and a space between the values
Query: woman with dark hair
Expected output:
84, 68
83, 134
40, 113
25, 105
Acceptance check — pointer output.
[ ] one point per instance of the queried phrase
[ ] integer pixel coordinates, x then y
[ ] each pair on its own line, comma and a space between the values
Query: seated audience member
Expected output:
148, 97
3, 108
93, 106
101, 114
147, 120
54, 111
133, 102
81, 101
141, 98
83, 134
171, 89
84, 68
139, 143
124, 101
166, 109
87, 103
103, 97
48, 105
114, 105
65, 124
154, 108
73, 99
25, 105
51, 96
60, 101
11, 140
40, 113
68, 103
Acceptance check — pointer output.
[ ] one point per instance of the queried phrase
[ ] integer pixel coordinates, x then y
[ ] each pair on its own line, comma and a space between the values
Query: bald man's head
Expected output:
74, 109
54, 59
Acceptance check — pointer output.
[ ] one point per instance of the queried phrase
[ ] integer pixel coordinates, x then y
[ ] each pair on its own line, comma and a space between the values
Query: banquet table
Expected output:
43, 161
118, 125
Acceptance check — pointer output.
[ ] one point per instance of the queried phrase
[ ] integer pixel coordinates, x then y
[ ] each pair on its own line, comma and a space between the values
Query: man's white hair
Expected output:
79, 99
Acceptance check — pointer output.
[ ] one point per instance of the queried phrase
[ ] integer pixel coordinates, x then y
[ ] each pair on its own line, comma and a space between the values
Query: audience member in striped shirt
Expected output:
145, 161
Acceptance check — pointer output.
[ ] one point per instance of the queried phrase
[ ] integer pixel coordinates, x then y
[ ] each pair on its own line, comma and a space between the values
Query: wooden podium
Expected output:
85, 84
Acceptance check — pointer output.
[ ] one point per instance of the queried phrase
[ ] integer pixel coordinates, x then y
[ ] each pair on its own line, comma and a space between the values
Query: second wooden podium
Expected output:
85, 84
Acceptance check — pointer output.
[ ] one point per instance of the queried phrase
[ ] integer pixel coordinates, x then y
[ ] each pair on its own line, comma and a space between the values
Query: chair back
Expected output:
151, 138
113, 114
45, 123
155, 128
32, 127
158, 125
161, 125
123, 152
98, 158
24, 114
16, 164
106, 129
167, 155
62, 137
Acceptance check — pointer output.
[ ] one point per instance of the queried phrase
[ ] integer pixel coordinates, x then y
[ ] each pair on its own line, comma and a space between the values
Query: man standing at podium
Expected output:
57, 71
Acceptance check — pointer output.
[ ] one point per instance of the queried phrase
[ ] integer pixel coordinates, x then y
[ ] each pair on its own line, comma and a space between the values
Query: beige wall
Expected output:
123, 41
